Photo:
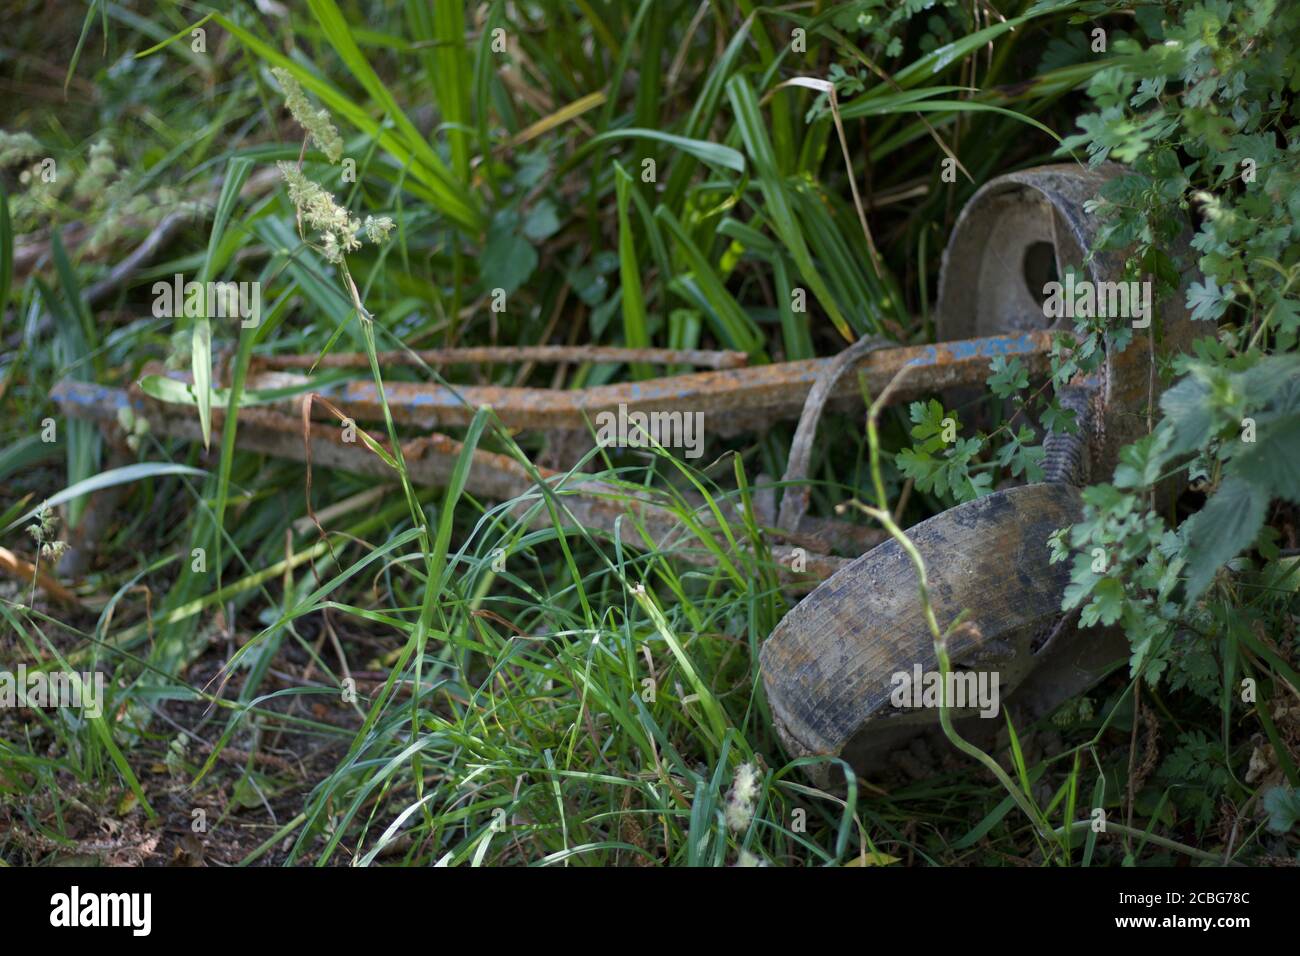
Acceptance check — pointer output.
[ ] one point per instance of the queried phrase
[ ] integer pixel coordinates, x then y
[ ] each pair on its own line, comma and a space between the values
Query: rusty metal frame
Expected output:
736, 400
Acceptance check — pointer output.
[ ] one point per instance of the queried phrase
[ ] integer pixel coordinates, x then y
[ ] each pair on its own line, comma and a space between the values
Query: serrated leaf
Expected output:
1222, 529
1009, 376
1187, 405
1208, 301
1061, 421
1273, 461
1107, 603
915, 465
1283, 806
1141, 463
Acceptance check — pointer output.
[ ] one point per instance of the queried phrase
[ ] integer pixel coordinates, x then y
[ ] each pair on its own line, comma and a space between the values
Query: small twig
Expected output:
25, 571
122, 273
1130, 832
1132, 754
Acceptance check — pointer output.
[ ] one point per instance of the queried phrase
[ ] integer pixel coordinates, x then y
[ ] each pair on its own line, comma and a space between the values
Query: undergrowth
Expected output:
360, 670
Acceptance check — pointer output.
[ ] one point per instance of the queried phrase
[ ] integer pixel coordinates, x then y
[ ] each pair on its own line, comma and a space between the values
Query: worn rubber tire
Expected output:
828, 665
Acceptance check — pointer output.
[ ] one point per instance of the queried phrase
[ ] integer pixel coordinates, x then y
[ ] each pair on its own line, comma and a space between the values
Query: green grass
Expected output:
591, 702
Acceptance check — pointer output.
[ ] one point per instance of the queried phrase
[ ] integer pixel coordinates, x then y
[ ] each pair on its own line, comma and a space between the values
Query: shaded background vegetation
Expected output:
501, 716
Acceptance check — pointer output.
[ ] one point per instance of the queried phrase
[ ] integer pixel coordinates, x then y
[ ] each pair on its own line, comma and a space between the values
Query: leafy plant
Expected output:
1196, 104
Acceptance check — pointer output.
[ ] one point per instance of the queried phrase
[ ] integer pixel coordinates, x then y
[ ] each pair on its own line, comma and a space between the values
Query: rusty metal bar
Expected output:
430, 460
735, 400
541, 354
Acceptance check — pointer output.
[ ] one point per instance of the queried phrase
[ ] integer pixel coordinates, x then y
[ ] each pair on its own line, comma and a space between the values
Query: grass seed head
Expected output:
315, 121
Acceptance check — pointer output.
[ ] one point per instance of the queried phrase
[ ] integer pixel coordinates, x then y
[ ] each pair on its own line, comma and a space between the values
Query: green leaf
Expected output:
1207, 300
452, 77
1008, 377
542, 222
1107, 603
167, 389
6, 250
957, 106
931, 422
777, 205
1187, 405
1273, 461
81, 323
877, 100
27, 451
1140, 464
76, 350
948, 54
1061, 421
107, 479
81, 42
635, 334
920, 466
201, 337
1283, 806
236, 175
736, 329
508, 258
723, 157
1220, 531
201, 365
429, 177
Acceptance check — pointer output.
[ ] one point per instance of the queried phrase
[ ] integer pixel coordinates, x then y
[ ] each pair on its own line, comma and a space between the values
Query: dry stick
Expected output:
346, 506
853, 183
866, 61
1130, 832
337, 645
122, 273
111, 610
827, 87
26, 255
26, 572
680, 59
904, 496
1236, 824
888, 197
1132, 755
